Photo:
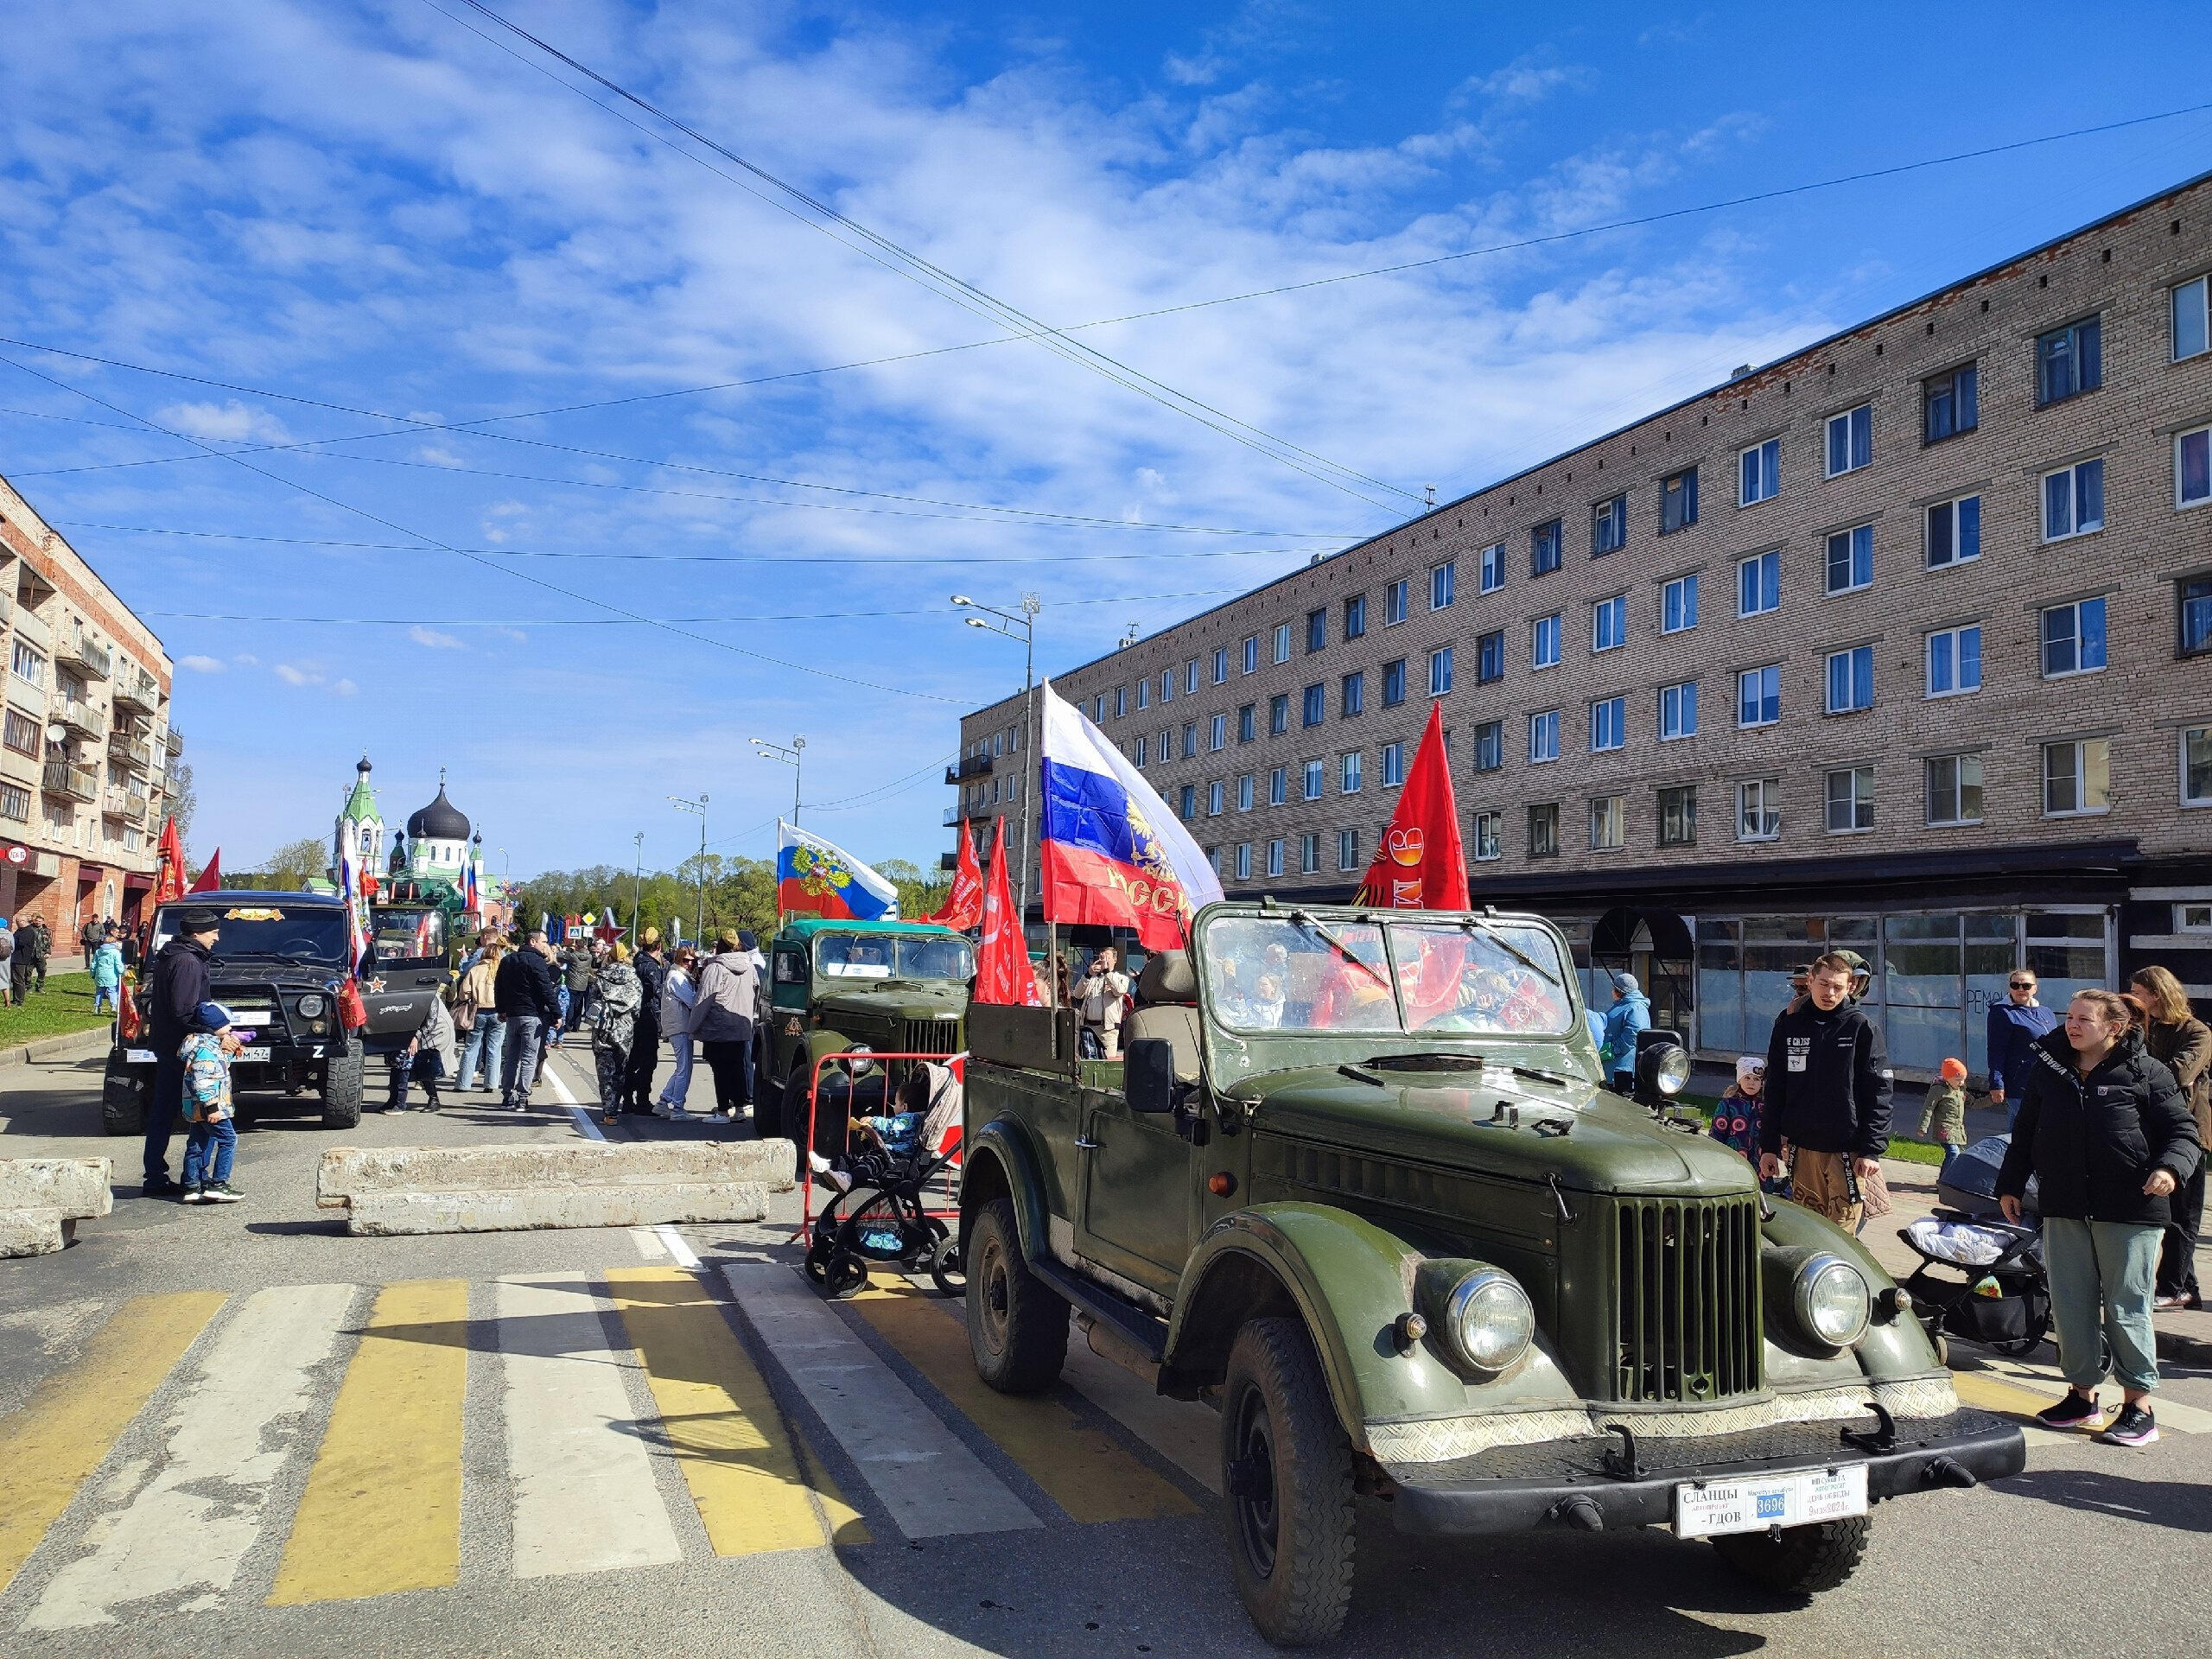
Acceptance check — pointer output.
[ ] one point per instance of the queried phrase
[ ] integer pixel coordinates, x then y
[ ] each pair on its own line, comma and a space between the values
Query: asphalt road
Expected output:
613, 1424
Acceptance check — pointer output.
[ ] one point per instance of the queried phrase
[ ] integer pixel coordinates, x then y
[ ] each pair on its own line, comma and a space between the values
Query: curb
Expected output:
75, 1045
2183, 1350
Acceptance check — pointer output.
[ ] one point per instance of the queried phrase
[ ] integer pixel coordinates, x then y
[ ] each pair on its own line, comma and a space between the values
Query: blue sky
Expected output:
379, 224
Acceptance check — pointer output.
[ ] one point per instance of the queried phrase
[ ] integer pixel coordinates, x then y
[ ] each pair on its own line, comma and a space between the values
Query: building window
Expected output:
1490, 656
2192, 326
1275, 857
1851, 800
1608, 724
1439, 671
1543, 737
1190, 678
1678, 605
1758, 695
1244, 860
1188, 806
14, 802
1251, 653
30, 666
1759, 809
1954, 532
1490, 746
1544, 548
1143, 746
2193, 467
1394, 683
1278, 786
1493, 573
1759, 472
2193, 605
1678, 501
1489, 827
1349, 773
1955, 661
1317, 632
1543, 642
1758, 584
1608, 824
1217, 733
1282, 642
1950, 404
21, 734
2074, 638
1394, 765
1609, 623
1609, 527
1279, 714
1353, 694
1678, 816
2069, 360
1248, 719
1168, 685
1394, 603
1678, 710
1221, 666
1189, 739
1954, 788
1314, 708
1347, 849
1144, 693
1309, 853
2077, 777
1443, 584
1850, 560
2196, 766
1245, 793
1850, 680
1355, 625
1543, 830
1851, 439
2074, 500
1313, 769
1215, 798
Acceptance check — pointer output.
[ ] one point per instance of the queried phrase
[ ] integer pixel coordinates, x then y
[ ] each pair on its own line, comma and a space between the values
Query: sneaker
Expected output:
191, 1195
2073, 1411
220, 1192
2133, 1427
159, 1187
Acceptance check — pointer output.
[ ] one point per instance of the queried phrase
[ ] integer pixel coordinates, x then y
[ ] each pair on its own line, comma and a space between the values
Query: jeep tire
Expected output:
123, 1097
341, 1089
1798, 1560
1017, 1326
1286, 1473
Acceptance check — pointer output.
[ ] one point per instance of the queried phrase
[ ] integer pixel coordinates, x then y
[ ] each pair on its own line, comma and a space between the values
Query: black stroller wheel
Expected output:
844, 1275
947, 1271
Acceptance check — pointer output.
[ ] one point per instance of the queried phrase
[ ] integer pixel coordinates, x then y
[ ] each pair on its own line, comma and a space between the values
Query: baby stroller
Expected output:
1982, 1277
881, 1215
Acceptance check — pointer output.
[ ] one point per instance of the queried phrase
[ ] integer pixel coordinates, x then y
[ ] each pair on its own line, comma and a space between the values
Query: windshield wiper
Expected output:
1300, 918
1509, 948
1448, 1060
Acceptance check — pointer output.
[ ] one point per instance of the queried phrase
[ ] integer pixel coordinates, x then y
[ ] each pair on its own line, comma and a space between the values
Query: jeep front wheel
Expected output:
341, 1090
1287, 1471
1017, 1327
1798, 1560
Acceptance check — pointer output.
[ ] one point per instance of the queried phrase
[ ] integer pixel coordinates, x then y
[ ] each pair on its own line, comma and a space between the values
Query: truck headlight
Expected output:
311, 1006
1488, 1320
1664, 1068
1833, 1302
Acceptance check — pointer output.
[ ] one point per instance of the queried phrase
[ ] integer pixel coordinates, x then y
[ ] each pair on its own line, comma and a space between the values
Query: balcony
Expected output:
134, 808
31, 628
176, 739
79, 649
974, 766
86, 720
7, 603
136, 692
133, 752
71, 783
948, 860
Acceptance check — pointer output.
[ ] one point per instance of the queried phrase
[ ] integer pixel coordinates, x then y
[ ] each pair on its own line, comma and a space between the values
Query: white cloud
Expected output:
230, 422
244, 660
292, 676
433, 638
200, 664
345, 688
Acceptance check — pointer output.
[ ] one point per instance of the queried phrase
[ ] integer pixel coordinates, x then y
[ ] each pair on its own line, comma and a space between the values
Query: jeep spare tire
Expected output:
341, 1090
1017, 1327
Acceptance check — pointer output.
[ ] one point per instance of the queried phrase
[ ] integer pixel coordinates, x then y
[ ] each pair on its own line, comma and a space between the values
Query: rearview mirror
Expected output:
1148, 1075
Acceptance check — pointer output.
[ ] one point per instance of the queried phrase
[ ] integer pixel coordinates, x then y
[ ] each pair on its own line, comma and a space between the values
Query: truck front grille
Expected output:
1688, 1328
931, 1037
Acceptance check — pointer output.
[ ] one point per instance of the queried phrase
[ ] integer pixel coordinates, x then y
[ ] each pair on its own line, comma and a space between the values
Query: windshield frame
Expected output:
246, 899
445, 929
892, 973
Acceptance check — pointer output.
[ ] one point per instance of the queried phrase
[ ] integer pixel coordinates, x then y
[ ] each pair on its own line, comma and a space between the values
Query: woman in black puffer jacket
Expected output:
2104, 1128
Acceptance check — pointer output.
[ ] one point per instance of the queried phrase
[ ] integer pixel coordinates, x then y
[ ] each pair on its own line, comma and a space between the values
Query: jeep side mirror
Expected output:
1148, 1075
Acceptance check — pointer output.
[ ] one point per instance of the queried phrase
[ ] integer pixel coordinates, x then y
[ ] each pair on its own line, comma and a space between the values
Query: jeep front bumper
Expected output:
1589, 1482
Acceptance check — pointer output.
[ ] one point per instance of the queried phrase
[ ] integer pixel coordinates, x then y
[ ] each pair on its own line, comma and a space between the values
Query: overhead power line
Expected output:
433, 621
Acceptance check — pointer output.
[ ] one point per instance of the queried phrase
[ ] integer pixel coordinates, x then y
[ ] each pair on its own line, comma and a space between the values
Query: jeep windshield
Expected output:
313, 934
891, 956
1293, 972
408, 934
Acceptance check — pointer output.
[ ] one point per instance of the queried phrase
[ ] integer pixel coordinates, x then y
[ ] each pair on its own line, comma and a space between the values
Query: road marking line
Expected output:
673, 1242
584, 1495
2004, 1387
72, 1421
382, 1509
932, 1485
721, 1422
1080, 1468
187, 1529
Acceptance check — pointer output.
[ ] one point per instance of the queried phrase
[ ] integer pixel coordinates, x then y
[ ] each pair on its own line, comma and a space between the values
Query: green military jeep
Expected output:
897, 987
1356, 1182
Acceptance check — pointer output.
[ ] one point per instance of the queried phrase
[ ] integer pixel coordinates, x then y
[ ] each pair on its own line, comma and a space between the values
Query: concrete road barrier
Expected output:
390, 1191
43, 1200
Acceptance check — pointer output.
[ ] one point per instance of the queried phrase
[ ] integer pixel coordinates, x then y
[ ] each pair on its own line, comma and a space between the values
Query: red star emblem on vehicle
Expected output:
375, 986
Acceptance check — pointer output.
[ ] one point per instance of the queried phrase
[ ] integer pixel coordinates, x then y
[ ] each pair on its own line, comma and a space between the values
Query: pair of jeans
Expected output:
731, 1064
679, 1087
487, 1040
2177, 1259
207, 1151
163, 1107
518, 1066
424, 1067
104, 996
2100, 1274
1950, 1156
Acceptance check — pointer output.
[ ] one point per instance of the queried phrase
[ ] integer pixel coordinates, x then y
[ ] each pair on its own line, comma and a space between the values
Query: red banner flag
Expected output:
212, 877
168, 879
1002, 971
964, 905
1421, 864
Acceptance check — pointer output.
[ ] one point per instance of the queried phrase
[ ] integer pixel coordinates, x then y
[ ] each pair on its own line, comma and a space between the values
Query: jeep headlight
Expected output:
1664, 1067
1833, 1302
311, 1006
1488, 1321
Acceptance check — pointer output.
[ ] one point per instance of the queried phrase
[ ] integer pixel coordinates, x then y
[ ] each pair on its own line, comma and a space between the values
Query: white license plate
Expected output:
1797, 1499
260, 1053
140, 1056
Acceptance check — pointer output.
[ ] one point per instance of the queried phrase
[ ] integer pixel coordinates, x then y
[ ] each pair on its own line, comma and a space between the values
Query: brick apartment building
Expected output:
1902, 642
85, 742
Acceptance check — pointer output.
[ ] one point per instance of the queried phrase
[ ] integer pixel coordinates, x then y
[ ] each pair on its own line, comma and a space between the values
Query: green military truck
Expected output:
897, 987
1357, 1183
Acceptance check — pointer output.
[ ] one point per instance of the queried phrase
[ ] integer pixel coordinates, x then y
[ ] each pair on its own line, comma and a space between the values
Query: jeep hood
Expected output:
901, 1003
1452, 1120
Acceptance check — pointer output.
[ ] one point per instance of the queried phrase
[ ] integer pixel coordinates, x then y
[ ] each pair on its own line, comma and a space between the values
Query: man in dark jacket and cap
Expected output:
652, 968
526, 993
1827, 1093
179, 987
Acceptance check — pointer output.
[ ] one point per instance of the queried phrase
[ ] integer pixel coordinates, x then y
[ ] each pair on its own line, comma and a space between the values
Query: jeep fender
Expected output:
999, 1159
1890, 1352
1347, 1280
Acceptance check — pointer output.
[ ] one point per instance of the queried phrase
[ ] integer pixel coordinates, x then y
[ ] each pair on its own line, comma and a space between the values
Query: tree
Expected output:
183, 802
289, 868
919, 892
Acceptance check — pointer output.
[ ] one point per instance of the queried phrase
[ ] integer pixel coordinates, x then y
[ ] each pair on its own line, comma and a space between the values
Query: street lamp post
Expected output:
637, 885
699, 914
1021, 626
791, 757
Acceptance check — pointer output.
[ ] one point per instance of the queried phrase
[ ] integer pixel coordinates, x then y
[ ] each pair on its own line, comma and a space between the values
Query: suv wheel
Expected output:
1287, 1470
341, 1090
1017, 1327
123, 1098
1798, 1560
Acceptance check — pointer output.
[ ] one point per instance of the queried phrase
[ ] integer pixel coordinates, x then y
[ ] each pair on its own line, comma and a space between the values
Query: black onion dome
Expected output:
440, 821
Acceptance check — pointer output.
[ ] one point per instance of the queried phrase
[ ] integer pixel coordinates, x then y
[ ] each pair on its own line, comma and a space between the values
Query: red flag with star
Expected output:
964, 905
1421, 864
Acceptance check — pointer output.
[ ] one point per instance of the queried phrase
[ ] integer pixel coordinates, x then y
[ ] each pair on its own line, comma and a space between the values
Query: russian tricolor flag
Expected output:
815, 877
1112, 854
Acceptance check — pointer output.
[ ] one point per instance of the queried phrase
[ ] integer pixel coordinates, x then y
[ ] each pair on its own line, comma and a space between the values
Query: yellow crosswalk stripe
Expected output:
1080, 1468
757, 1487
71, 1422
382, 1509
1992, 1393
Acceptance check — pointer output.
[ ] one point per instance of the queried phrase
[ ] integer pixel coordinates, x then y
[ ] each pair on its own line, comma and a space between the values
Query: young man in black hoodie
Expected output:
1828, 1094
180, 985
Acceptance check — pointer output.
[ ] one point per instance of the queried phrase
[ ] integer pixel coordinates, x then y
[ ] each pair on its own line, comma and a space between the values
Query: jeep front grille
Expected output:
1688, 1328
931, 1037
